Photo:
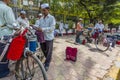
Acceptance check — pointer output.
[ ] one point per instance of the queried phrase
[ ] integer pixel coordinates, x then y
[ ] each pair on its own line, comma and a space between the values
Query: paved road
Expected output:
91, 64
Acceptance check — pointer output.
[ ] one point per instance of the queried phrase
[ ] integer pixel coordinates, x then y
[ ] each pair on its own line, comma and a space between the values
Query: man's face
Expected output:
100, 22
39, 17
7, 1
80, 20
23, 16
45, 11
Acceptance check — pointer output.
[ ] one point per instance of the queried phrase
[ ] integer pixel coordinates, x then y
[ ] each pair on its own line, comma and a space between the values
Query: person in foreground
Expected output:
7, 26
7, 18
47, 26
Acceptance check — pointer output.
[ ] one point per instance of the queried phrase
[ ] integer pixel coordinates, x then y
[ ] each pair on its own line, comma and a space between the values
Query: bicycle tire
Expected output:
105, 48
20, 72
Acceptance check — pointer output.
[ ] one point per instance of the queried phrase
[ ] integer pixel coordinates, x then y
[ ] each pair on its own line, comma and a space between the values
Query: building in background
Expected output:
32, 7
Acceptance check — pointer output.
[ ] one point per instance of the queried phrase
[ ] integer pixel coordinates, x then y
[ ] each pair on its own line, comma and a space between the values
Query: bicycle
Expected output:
101, 41
29, 66
87, 34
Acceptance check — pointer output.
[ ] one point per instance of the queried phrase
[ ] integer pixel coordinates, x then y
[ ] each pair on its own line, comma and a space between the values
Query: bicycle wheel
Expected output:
30, 68
102, 44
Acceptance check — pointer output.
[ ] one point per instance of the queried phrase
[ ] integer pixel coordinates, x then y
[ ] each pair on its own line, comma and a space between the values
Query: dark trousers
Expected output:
47, 48
73, 31
66, 30
78, 34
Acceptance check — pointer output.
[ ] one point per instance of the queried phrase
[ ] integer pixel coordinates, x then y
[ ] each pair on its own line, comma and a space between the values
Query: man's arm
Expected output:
9, 18
95, 26
37, 22
103, 27
51, 27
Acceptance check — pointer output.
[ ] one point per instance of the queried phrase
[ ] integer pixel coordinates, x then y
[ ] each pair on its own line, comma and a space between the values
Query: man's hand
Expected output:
18, 32
16, 29
39, 29
34, 27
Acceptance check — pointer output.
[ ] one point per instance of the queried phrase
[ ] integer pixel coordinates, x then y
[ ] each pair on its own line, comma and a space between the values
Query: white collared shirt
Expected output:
61, 25
23, 22
99, 26
6, 17
48, 25
66, 26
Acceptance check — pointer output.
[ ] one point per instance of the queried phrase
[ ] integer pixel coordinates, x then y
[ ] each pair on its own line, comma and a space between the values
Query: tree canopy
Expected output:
91, 10
107, 10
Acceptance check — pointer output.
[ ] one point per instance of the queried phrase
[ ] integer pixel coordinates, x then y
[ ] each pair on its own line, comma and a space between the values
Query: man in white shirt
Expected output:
66, 26
38, 18
22, 20
47, 26
7, 18
99, 26
61, 28
40, 34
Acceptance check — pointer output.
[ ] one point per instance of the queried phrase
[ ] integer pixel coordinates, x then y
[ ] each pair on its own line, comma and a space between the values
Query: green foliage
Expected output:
70, 24
107, 10
32, 21
57, 26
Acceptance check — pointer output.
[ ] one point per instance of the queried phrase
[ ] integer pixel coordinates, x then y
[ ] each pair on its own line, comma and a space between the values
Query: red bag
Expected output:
17, 46
95, 35
118, 42
68, 52
83, 42
71, 53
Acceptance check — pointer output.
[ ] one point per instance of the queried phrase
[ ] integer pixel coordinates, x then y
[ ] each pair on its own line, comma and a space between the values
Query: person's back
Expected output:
79, 31
66, 26
6, 19
61, 26
79, 27
4, 9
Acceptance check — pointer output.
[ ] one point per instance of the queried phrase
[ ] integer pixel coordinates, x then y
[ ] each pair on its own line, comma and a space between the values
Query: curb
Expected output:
114, 72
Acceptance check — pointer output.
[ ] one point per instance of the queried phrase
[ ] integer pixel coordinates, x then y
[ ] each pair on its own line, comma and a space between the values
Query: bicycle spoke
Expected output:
102, 44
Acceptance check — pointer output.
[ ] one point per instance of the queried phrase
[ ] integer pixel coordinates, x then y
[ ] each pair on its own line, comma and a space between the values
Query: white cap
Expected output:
100, 21
23, 12
40, 14
81, 19
44, 5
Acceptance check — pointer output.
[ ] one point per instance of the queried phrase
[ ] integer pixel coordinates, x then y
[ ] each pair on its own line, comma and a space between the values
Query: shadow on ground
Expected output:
95, 50
87, 65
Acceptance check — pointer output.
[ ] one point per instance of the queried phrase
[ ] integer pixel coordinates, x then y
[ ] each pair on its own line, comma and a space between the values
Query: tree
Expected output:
108, 10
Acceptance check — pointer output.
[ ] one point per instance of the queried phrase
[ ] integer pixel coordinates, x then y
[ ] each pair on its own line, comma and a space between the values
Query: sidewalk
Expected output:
114, 71
91, 64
